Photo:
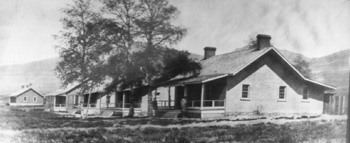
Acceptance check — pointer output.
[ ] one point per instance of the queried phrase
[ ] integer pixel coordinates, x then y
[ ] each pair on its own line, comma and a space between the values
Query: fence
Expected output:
335, 105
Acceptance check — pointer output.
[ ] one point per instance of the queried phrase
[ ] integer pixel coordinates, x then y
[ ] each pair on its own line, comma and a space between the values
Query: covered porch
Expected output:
113, 103
59, 103
121, 102
205, 96
62, 99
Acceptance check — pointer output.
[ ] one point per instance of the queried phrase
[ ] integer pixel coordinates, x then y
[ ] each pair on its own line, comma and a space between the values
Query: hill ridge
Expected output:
331, 69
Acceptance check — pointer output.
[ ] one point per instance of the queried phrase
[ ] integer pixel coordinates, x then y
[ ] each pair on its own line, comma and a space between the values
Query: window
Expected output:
76, 99
282, 92
34, 99
13, 99
305, 93
108, 99
245, 90
25, 98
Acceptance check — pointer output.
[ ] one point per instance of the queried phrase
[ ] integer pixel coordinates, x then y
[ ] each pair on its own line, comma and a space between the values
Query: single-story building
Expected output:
101, 103
256, 79
26, 97
115, 103
63, 99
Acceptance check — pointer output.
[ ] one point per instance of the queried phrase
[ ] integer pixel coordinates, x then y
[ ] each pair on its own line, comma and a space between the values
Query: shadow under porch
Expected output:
121, 102
59, 103
204, 99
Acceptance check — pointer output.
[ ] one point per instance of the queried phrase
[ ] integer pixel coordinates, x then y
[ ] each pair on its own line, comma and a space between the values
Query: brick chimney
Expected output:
209, 52
263, 41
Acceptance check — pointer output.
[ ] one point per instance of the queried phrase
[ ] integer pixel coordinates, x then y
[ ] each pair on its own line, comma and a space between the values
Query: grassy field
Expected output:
38, 126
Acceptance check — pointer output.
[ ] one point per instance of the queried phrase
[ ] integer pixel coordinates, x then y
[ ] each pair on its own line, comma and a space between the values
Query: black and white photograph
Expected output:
174, 71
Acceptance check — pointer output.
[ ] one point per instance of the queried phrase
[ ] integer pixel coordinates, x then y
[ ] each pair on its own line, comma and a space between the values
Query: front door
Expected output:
179, 94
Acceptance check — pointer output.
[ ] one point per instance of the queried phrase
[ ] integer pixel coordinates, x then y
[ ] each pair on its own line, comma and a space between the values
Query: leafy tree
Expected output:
302, 66
147, 35
81, 47
157, 32
122, 14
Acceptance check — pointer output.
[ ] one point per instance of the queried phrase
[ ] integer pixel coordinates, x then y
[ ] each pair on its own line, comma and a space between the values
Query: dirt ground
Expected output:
42, 126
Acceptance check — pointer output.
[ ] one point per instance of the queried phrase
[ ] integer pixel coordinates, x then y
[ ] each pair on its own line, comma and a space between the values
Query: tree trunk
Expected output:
132, 102
81, 102
151, 111
88, 104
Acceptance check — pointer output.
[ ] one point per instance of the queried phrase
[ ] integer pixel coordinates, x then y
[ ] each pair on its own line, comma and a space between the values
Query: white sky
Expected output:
314, 27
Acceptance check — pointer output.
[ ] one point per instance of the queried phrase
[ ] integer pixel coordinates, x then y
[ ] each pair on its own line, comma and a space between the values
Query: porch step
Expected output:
107, 113
168, 113
73, 111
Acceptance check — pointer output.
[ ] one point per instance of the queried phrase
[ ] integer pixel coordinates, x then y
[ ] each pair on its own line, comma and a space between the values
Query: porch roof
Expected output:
194, 80
63, 91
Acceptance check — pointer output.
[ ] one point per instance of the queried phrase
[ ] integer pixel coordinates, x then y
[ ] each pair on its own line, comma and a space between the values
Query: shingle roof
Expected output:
19, 92
71, 89
62, 91
232, 63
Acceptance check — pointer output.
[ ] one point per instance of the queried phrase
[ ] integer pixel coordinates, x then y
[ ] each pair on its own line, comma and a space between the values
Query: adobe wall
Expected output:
265, 77
30, 94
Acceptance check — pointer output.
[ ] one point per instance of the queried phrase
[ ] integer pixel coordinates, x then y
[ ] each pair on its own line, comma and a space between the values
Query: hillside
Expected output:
332, 69
40, 74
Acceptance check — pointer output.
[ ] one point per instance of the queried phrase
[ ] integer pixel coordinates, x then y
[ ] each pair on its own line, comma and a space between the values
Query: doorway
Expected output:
179, 94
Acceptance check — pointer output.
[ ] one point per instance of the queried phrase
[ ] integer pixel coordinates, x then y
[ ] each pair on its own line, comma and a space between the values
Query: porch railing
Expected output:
60, 105
165, 103
91, 105
119, 105
206, 103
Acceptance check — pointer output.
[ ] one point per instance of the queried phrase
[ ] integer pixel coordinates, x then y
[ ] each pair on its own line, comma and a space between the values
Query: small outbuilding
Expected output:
26, 97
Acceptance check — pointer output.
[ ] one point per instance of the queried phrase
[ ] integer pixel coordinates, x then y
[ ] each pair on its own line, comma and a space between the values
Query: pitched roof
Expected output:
301, 75
62, 91
234, 62
20, 92
231, 62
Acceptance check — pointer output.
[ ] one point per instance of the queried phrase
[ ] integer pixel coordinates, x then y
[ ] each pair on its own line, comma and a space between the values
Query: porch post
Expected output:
66, 101
185, 91
123, 104
169, 98
99, 99
54, 102
202, 95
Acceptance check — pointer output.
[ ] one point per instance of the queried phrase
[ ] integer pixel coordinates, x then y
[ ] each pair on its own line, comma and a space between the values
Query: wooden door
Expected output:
326, 104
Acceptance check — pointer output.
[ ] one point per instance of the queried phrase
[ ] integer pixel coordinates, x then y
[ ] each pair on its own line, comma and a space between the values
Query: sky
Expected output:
313, 28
